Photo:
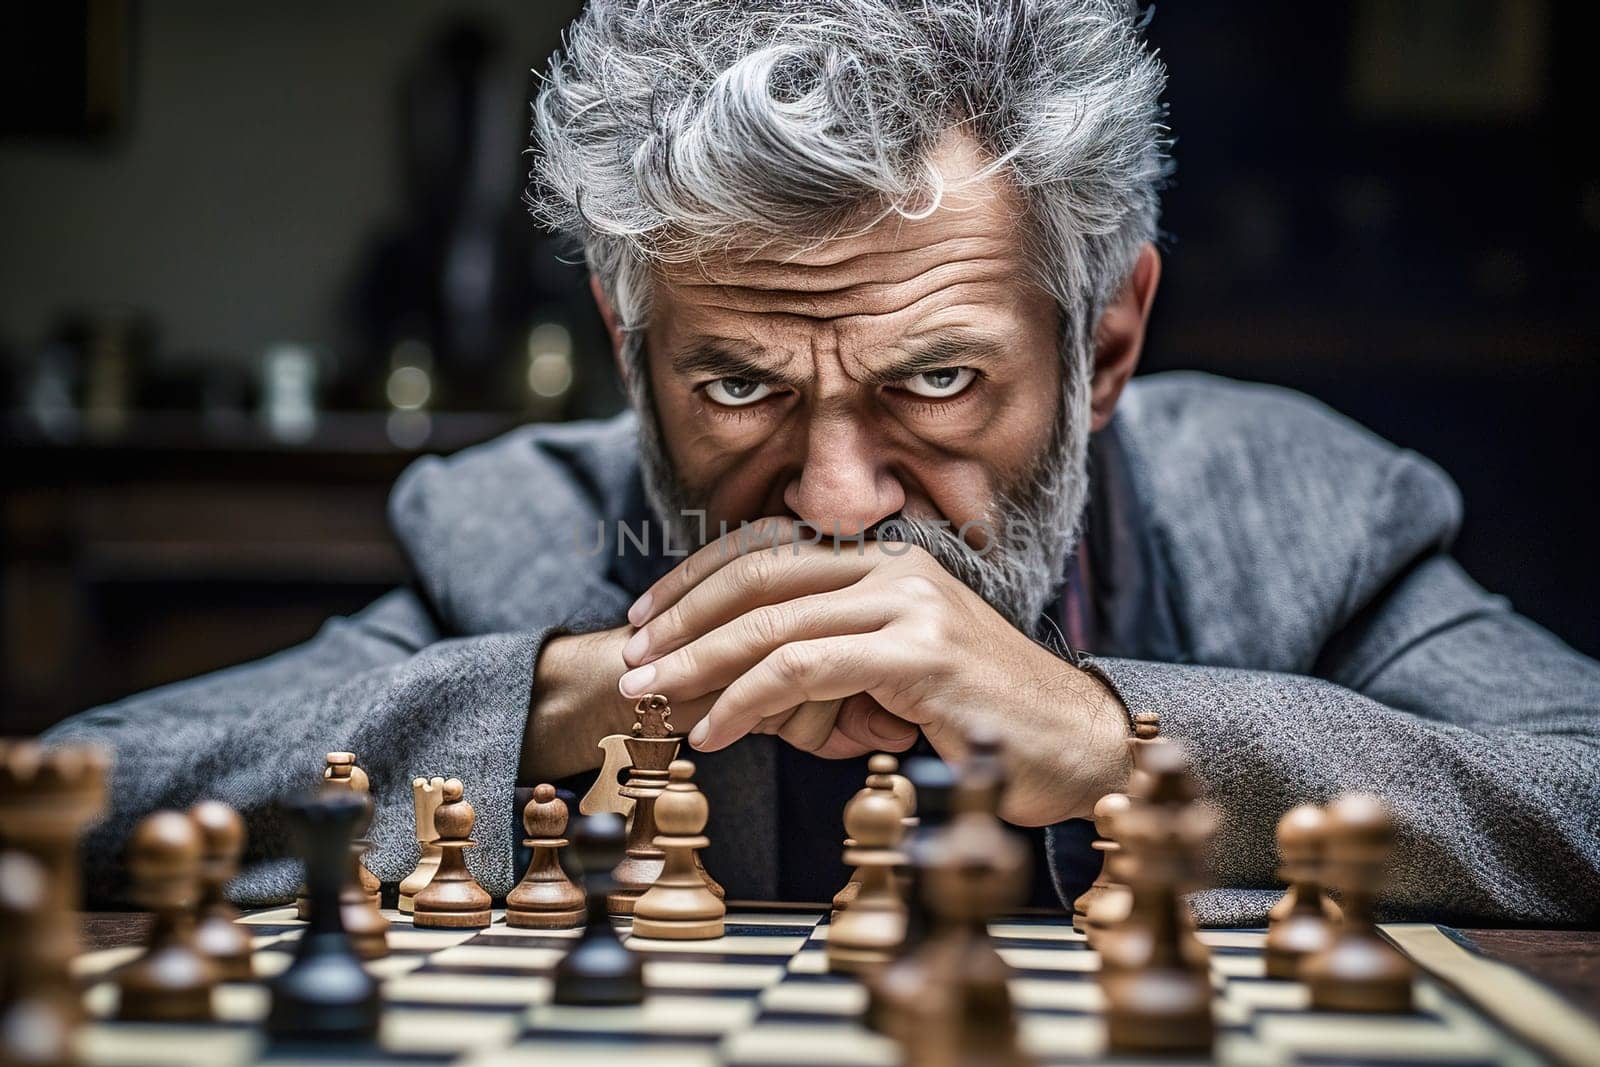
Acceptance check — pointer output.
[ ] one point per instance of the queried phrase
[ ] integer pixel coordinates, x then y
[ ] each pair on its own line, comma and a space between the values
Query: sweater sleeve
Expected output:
1480, 729
380, 684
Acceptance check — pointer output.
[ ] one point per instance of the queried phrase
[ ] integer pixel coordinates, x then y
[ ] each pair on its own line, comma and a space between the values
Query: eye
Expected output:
940, 384
737, 392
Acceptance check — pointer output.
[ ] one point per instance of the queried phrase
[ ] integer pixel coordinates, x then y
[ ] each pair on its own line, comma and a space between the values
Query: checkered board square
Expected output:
761, 995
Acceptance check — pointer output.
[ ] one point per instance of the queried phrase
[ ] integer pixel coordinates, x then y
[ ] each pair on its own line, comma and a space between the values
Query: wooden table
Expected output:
1565, 960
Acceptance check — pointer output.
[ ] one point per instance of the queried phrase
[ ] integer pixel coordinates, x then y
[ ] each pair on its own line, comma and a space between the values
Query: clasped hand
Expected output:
847, 648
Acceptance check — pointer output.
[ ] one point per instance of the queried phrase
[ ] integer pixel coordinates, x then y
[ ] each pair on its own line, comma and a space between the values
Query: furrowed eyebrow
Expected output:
940, 354
713, 359
717, 361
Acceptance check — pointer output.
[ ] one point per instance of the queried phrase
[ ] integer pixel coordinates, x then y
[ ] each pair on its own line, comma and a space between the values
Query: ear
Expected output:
608, 315
1119, 337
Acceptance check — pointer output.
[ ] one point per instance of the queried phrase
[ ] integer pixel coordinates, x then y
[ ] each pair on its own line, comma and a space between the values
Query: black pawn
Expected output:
326, 994
934, 778
903, 981
600, 970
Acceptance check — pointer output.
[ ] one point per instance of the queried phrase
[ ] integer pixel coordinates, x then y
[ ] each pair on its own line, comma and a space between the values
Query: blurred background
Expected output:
253, 261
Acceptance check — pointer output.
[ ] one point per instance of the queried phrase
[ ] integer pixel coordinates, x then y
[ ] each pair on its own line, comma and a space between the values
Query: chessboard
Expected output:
762, 994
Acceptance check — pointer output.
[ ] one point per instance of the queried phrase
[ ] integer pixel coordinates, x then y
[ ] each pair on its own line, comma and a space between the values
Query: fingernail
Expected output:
640, 612
636, 683
697, 736
636, 647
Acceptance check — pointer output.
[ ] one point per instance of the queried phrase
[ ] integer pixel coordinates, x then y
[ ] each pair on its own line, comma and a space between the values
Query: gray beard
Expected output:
1031, 528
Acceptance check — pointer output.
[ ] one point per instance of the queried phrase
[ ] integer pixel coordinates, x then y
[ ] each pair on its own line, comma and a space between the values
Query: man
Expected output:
877, 275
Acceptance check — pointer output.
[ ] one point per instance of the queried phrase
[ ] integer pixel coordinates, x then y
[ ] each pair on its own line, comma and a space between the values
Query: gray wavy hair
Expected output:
670, 129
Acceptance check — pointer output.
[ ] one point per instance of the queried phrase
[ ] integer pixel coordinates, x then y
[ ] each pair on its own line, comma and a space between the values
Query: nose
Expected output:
844, 485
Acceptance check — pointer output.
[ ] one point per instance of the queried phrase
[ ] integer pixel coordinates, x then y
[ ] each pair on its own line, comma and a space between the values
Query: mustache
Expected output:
938, 536
992, 578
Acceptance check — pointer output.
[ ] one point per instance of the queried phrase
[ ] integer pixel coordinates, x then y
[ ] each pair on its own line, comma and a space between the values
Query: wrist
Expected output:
574, 703
1105, 758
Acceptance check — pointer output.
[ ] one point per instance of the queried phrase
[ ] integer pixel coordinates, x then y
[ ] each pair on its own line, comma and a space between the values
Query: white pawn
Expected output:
868, 931
680, 906
905, 793
1107, 902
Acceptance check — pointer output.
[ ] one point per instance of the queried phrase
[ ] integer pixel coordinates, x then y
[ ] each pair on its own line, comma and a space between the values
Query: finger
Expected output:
763, 533
838, 746
686, 713
747, 582
810, 725
716, 659
822, 668
866, 722
772, 724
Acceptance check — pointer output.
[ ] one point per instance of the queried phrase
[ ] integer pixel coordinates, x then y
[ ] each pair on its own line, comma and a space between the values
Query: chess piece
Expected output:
452, 898
1160, 778
680, 906
906, 794
932, 782
951, 1006
600, 970
36, 1019
171, 981
979, 870
1359, 972
847, 892
705, 876
852, 885
869, 930
218, 936
364, 924
983, 769
606, 793
426, 795
880, 763
1305, 921
47, 796
901, 996
545, 898
905, 791
1158, 994
325, 995
340, 772
1105, 903
1292, 896
651, 749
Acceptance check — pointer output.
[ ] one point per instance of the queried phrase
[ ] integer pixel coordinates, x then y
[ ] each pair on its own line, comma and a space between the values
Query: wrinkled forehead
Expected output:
891, 274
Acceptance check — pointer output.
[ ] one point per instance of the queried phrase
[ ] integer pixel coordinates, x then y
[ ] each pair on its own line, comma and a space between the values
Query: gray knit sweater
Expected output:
1279, 589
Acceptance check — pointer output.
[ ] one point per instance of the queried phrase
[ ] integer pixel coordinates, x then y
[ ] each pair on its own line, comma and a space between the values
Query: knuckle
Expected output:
767, 625
917, 587
684, 663
790, 663
672, 621
758, 571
